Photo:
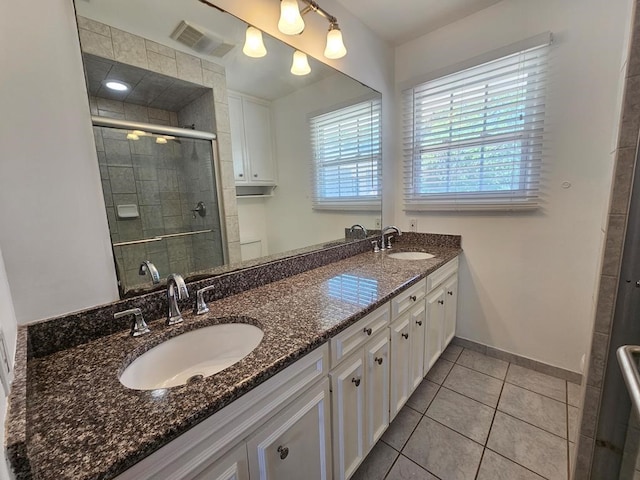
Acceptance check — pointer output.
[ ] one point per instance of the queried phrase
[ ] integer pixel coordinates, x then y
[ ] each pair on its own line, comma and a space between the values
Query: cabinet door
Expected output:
435, 321
450, 309
377, 383
400, 363
296, 442
236, 119
257, 131
418, 324
348, 407
233, 466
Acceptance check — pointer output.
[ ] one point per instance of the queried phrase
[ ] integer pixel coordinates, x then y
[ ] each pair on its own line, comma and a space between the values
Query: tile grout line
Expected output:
568, 433
495, 412
516, 463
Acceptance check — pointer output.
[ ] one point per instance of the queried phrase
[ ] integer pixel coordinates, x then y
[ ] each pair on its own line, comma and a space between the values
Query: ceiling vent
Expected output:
201, 42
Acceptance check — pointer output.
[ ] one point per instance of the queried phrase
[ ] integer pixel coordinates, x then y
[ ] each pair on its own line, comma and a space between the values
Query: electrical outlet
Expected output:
378, 223
413, 223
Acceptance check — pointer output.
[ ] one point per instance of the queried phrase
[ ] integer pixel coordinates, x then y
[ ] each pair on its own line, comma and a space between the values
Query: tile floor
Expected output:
479, 418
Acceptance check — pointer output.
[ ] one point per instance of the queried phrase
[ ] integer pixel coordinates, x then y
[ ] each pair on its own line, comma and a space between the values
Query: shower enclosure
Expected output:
161, 197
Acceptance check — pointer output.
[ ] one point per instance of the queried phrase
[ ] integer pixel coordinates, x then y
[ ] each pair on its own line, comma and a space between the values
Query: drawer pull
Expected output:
450, 293
283, 451
405, 335
441, 302
367, 331
419, 322
413, 297
356, 381
378, 360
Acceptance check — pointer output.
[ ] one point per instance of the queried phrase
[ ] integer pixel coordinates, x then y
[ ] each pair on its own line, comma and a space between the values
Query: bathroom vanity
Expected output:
344, 346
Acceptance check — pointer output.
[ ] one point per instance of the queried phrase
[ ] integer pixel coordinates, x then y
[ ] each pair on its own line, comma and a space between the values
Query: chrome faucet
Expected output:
385, 230
357, 225
176, 290
147, 266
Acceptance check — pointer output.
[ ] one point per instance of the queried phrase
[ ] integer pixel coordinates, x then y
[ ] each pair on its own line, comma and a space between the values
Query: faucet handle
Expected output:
389, 242
201, 305
376, 248
138, 326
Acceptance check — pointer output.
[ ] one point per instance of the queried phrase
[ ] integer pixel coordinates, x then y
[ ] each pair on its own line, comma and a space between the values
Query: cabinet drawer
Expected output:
405, 300
440, 275
356, 335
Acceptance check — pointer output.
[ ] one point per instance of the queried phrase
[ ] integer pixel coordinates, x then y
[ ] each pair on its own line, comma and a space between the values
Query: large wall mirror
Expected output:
295, 161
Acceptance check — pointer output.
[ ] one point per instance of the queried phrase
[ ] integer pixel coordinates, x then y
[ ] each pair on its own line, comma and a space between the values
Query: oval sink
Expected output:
191, 356
410, 255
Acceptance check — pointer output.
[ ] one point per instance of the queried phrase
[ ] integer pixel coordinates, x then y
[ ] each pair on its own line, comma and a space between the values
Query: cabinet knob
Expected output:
405, 335
419, 322
255, 175
378, 360
241, 175
413, 297
450, 293
283, 451
367, 331
441, 302
356, 381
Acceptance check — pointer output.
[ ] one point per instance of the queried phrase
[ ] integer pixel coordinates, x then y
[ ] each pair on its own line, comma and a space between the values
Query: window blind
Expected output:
347, 155
473, 140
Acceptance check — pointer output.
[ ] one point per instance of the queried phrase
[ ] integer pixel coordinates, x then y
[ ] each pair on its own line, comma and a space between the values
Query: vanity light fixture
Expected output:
139, 133
335, 46
300, 65
116, 85
291, 22
132, 136
253, 44
161, 140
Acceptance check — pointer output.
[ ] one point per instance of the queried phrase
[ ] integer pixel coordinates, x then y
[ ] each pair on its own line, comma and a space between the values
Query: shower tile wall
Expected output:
107, 42
165, 181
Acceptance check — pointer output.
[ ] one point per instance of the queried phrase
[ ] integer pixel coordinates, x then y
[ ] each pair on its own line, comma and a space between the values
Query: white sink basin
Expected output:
191, 355
410, 255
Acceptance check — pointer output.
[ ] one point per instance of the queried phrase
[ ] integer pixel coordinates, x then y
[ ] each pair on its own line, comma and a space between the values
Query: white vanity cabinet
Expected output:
297, 440
251, 141
360, 390
441, 311
408, 329
234, 466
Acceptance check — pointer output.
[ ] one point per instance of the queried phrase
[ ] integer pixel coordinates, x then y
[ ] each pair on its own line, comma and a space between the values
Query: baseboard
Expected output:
541, 367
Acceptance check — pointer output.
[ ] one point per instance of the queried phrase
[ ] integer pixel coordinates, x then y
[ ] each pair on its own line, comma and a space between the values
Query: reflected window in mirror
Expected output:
347, 157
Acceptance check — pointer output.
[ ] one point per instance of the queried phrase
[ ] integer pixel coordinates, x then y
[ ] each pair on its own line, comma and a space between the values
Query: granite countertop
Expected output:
78, 422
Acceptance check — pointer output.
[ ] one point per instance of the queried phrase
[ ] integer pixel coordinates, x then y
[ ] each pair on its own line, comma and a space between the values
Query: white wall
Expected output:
291, 221
8, 328
53, 228
527, 280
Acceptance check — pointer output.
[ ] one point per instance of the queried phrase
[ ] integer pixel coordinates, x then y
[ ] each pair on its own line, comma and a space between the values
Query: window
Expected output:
473, 140
347, 157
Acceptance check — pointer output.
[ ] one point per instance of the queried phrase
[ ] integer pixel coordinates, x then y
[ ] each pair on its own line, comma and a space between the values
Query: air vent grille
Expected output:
201, 42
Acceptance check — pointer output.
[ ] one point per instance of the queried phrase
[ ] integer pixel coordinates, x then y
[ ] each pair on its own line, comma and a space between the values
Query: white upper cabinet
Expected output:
251, 141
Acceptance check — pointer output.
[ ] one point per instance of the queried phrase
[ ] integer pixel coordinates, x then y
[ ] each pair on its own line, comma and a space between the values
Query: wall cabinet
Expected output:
251, 141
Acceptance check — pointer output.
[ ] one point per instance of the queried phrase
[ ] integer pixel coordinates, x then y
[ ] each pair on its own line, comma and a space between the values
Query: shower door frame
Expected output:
184, 133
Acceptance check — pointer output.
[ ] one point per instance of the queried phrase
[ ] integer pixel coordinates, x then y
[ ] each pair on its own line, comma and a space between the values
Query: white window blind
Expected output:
346, 150
473, 140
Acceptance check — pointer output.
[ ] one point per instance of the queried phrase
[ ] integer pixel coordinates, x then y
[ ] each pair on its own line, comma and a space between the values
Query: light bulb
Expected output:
300, 65
253, 44
291, 22
132, 136
161, 140
335, 46
116, 85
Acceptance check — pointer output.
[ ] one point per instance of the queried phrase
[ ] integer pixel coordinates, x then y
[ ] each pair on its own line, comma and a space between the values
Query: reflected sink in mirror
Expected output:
410, 255
192, 356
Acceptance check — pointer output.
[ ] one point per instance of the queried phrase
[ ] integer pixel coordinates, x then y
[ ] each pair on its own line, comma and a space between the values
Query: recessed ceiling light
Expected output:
117, 86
